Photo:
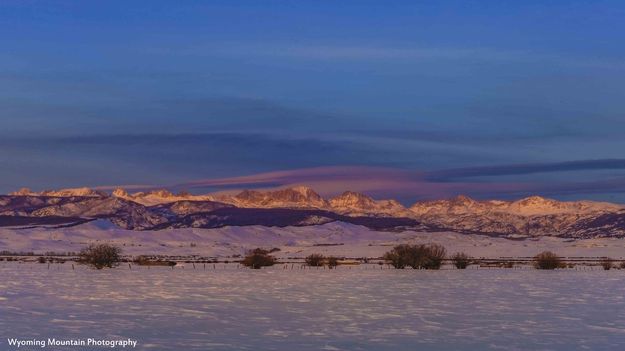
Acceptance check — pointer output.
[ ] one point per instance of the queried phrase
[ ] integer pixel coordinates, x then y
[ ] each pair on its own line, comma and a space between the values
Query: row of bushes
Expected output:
259, 258
422, 256
431, 256
549, 260
428, 256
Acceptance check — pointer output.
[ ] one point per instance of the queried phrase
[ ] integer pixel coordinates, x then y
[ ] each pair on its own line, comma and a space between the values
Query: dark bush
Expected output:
607, 263
41, 259
622, 265
100, 256
332, 261
258, 258
147, 261
428, 256
434, 256
461, 260
315, 260
548, 260
400, 256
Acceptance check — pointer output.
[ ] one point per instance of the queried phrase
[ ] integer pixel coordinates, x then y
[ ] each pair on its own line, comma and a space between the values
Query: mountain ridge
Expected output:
527, 217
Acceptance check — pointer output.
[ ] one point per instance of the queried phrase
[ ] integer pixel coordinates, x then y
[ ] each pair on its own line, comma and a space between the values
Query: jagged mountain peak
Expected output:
289, 197
535, 205
353, 203
463, 199
535, 200
69, 192
23, 192
161, 192
119, 192
159, 196
352, 199
304, 190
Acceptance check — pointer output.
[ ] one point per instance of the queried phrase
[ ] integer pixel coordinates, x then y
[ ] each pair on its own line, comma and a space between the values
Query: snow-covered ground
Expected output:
351, 308
348, 240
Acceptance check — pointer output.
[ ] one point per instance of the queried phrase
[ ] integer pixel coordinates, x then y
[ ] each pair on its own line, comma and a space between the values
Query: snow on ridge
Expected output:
157, 197
529, 206
335, 238
347, 202
69, 192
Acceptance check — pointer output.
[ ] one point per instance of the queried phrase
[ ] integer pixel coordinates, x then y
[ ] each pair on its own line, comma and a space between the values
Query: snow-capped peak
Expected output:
350, 199
121, 193
536, 205
70, 192
23, 192
300, 196
530, 206
304, 190
356, 203
157, 197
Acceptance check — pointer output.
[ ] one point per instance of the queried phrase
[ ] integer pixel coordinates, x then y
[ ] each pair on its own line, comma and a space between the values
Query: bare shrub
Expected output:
548, 260
258, 258
41, 259
461, 260
428, 256
607, 263
100, 256
400, 256
315, 260
147, 261
434, 256
332, 261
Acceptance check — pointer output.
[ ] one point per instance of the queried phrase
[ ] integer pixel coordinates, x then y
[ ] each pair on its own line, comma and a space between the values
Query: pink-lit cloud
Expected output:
378, 182
409, 185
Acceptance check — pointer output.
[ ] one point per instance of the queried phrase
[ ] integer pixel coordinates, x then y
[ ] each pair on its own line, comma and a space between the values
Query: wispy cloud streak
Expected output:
529, 168
364, 53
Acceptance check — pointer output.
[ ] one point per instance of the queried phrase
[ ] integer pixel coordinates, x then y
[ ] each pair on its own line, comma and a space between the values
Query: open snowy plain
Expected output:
358, 308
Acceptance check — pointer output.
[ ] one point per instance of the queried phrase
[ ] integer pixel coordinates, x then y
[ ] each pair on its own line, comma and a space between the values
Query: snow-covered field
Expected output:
348, 240
358, 308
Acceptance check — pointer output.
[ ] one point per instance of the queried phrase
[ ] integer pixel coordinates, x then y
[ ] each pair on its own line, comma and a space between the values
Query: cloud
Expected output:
364, 53
379, 182
406, 185
528, 168
147, 115
326, 180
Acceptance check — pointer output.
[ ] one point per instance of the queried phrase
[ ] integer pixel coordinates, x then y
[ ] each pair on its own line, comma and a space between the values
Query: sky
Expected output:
402, 99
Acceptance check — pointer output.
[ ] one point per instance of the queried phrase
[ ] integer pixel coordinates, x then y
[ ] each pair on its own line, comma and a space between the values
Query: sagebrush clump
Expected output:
607, 263
548, 260
100, 256
258, 258
428, 256
461, 260
315, 260
332, 261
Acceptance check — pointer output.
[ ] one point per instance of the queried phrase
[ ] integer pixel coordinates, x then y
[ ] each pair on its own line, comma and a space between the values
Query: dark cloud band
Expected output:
522, 169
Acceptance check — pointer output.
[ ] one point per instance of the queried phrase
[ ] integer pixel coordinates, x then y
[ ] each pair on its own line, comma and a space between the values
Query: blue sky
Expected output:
155, 93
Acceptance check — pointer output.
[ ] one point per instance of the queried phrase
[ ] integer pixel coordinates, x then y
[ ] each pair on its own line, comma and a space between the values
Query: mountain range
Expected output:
301, 206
